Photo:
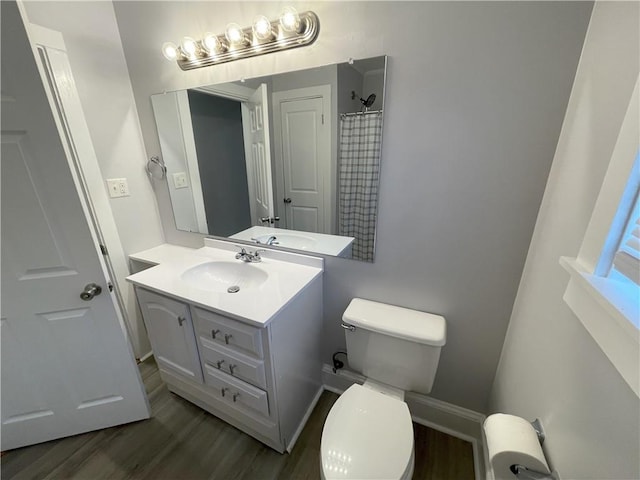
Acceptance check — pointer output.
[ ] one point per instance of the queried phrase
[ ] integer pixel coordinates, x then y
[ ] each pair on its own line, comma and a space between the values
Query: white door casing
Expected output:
302, 126
67, 367
256, 130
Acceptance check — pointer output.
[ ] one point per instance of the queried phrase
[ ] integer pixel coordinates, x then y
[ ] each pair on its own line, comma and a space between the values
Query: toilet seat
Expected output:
367, 435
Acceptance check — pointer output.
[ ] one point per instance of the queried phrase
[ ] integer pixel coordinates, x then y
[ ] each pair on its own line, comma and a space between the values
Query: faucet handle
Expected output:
256, 254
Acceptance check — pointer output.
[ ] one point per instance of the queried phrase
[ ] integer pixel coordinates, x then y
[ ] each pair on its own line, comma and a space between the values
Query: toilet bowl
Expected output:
368, 432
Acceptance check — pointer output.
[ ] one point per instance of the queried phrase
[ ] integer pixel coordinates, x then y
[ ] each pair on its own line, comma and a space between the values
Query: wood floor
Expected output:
181, 441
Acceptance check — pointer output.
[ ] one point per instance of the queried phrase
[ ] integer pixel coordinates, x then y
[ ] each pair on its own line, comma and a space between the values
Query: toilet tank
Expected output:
394, 345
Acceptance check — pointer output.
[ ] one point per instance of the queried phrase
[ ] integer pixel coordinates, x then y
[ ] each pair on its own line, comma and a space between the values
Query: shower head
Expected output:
366, 103
369, 101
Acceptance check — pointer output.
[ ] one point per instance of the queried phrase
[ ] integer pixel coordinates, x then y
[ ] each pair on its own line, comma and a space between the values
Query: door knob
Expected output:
90, 291
287, 200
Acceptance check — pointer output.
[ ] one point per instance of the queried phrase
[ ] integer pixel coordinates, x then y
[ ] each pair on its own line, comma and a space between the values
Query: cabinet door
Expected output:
171, 333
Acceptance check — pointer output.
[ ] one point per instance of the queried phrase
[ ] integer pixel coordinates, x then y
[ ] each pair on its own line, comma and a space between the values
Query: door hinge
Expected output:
110, 286
103, 249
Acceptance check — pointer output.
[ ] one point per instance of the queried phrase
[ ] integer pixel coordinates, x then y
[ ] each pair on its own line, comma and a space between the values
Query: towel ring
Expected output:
156, 168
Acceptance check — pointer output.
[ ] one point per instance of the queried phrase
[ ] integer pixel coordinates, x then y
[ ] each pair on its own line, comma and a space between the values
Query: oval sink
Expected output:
289, 240
219, 276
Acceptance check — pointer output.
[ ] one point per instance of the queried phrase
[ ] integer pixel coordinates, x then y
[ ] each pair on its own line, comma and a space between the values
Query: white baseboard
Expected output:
304, 420
145, 356
445, 417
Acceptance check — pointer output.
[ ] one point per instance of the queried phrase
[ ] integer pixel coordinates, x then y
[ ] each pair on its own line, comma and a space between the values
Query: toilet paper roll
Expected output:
512, 440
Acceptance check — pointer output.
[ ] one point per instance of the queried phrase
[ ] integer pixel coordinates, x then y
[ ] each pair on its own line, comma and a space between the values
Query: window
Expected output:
604, 288
625, 266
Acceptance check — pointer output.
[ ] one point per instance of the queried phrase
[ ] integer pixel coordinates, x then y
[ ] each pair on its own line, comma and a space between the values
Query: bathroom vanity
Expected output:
251, 357
336, 245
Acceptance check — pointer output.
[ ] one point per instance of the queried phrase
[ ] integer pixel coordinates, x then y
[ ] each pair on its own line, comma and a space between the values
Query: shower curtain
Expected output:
360, 138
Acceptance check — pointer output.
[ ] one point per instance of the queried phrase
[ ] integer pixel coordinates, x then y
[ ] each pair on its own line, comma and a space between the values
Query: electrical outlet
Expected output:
118, 187
180, 180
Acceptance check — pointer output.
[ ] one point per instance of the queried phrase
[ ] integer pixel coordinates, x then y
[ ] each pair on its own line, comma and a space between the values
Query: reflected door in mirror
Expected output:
303, 158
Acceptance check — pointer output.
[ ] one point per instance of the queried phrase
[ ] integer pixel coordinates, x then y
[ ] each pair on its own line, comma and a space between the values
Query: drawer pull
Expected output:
214, 333
224, 391
219, 364
181, 320
227, 337
231, 368
235, 396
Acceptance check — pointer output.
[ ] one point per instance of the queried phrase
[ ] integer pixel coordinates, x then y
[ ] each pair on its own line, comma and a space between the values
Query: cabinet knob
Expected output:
231, 368
235, 396
214, 333
227, 337
224, 391
219, 364
181, 320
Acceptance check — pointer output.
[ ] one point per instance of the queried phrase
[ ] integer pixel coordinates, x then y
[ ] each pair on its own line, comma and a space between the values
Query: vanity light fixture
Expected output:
170, 51
235, 36
291, 30
188, 47
211, 44
290, 20
262, 29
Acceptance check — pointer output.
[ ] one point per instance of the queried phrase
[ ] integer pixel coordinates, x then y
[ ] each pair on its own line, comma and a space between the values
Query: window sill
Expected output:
610, 317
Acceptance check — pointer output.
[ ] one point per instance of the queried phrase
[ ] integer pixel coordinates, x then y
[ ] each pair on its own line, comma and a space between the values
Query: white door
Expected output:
255, 124
61, 86
303, 152
67, 367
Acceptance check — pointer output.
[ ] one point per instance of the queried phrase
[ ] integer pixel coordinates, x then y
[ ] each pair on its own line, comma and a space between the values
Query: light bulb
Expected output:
262, 28
210, 43
290, 20
170, 50
234, 33
189, 47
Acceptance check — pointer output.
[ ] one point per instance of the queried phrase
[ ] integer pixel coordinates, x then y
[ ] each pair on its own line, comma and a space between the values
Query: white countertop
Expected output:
162, 254
289, 274
324, 244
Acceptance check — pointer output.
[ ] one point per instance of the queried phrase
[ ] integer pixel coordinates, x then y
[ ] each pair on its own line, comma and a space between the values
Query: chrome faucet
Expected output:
249, 256
270, 241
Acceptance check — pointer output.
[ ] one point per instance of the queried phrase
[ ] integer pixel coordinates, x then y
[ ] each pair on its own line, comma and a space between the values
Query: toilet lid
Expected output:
366, 435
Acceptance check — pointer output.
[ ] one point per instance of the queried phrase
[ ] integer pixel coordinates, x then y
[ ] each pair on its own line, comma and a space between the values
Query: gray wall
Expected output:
476, 95
550, 367
349, 80
217, 131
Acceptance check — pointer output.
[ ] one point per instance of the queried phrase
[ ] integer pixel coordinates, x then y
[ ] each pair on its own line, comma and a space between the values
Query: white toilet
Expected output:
368, 433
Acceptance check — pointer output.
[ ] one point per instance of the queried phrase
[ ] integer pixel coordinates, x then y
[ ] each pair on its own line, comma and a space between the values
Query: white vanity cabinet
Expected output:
171, 334
258, 369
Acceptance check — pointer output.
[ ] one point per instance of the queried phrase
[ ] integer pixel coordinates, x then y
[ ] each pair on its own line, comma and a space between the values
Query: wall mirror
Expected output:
290, 160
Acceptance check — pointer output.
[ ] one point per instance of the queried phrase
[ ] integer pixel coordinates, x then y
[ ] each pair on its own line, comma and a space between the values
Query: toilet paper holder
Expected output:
537, 426
523, 473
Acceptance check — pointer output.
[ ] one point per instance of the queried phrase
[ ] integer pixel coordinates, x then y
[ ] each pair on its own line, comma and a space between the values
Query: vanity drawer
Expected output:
235, 391
228, 332
233, 362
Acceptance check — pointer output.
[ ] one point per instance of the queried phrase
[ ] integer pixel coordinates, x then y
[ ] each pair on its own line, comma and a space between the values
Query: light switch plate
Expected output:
180, 180
118, 187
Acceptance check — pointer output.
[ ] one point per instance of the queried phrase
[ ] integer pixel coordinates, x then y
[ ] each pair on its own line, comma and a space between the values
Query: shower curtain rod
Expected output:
360, 113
